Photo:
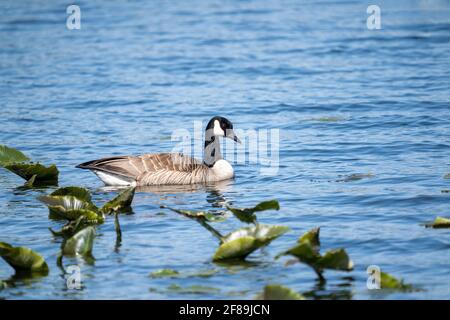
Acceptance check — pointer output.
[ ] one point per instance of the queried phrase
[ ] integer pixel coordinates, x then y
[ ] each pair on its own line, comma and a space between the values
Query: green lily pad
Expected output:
447, 176
202, 215
240, 243
31, 182
121, 202
247, 215
23, 259
311, 237
43, 175
72, 227
278, 292
307, 251
195, 289
439, 222
77, 192
10, 155
390, 282
336, 259
81, 243
71, 208
164, 273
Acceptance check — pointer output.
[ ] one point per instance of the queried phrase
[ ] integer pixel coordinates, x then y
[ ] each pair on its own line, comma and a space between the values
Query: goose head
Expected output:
220, 127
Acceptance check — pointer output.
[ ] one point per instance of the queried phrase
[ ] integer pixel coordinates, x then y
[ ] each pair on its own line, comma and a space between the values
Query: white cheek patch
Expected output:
218, 131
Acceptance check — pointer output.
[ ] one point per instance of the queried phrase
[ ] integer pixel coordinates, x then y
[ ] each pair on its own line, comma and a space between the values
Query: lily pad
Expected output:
336, 259
31, 182
10, 155
194, 289
247, 215
439, 222
164, 273
311, 237
240, 243
81, 243
72, 227
23, 259
278, 292
447, 176
71, 208
307, 251
77, 192
202, 215
120, 203
43, 175
390, 282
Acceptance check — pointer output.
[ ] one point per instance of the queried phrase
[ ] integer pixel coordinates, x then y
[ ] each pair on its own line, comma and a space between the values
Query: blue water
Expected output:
347, 100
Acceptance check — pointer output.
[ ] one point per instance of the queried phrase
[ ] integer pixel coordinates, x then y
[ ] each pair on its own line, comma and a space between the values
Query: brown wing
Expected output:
134, 166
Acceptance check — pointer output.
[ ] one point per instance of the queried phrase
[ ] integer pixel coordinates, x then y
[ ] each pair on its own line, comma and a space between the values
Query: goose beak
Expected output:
233, 136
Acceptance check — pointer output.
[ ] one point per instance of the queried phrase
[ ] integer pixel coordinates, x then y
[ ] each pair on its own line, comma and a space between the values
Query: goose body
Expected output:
169, 168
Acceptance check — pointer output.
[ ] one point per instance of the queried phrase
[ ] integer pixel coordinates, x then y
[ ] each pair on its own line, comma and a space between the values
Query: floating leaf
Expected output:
390, 282
23, 259
77, 192
247, 215
202, 215
278, 292
71, 208
336, 259
10, 155
44, 175
121, 202
72, 227
81, 243
164, 273
307, 251
447, 176
240, 243
311, 237
195, 289
439, 222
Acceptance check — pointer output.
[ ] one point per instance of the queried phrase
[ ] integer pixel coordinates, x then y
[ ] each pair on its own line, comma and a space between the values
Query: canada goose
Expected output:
169, 168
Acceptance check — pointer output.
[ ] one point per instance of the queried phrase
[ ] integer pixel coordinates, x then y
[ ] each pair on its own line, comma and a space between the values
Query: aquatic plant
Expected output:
240, 243
120, 203
388, 281
237, 245
75, 205
439, 222
23, 259
307, 251
34, 173
247, 215
80, 243
278, 292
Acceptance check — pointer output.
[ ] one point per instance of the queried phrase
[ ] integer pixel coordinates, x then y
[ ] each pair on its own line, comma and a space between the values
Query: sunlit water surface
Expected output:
347, 100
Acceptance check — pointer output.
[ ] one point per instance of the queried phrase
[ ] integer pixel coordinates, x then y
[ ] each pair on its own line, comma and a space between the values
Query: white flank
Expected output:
113, 180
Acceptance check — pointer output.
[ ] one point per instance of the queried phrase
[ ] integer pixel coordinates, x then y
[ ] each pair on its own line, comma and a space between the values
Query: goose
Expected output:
169, 168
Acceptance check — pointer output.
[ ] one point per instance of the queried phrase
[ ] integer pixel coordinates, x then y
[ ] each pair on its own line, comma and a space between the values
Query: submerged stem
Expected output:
118, 230
213, 231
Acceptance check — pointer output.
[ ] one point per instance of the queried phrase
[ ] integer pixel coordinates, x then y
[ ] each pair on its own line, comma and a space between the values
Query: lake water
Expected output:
346, 100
